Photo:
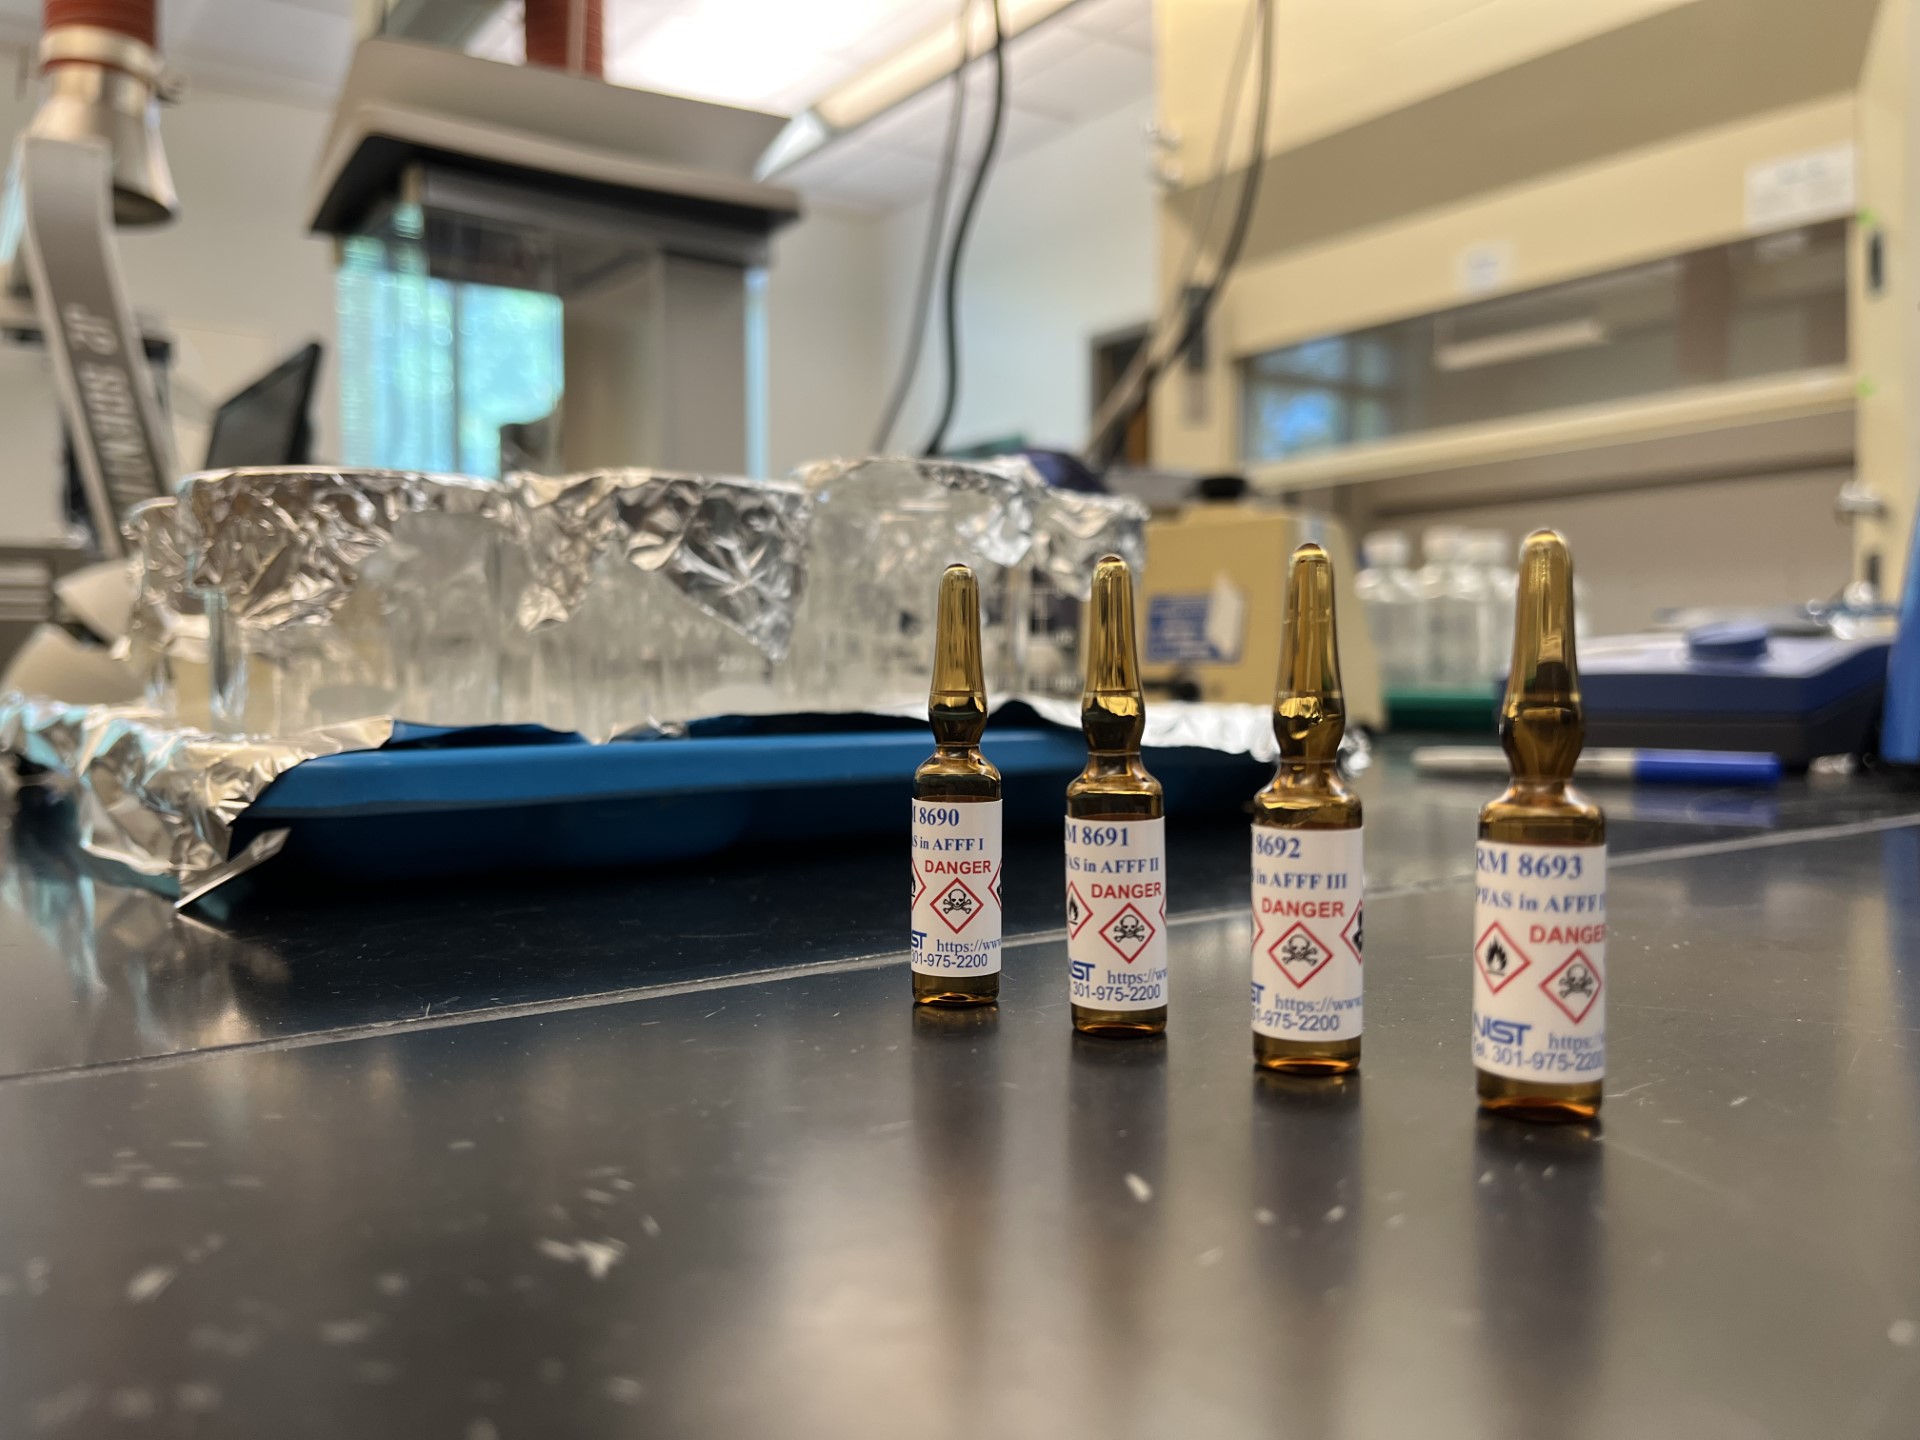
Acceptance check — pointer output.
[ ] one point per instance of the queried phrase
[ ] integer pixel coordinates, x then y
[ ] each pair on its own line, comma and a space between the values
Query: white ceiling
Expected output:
1087, 61
293, 48
1091, 58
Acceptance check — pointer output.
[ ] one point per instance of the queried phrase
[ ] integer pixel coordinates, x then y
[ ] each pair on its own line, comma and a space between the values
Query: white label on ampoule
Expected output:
1307, 890
1117, 913
956, 887
1540, 961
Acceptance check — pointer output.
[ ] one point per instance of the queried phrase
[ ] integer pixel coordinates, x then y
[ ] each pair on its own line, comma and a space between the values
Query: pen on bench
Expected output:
1648, 767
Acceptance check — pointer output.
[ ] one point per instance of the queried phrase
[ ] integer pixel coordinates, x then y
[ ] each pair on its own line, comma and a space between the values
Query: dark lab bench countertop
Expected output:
670, 1154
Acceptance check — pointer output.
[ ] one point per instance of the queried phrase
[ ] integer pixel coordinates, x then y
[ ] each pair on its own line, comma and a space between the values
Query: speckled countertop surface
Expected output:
670, 1154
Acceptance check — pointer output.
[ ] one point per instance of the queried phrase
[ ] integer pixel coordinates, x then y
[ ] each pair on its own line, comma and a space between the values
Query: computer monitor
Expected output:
266, 423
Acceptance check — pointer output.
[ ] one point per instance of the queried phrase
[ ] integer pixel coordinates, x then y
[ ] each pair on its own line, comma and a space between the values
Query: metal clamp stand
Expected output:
112, 409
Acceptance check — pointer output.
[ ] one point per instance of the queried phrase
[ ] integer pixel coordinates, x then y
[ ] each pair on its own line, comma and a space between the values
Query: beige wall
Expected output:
1639, 551
1340, 65
1574, 139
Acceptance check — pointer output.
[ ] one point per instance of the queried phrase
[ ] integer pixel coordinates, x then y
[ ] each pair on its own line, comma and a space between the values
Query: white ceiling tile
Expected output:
1059, 74
917, 126
802, 92
625, 23
1096, 77
1078, 64
1050, 42
899, 30
1129, 22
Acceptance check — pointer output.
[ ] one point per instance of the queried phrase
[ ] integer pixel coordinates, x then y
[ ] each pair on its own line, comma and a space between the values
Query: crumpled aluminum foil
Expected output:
994, 501
285, 547
1206, 725
166, 619
736, 548
163, 801
159, 800
1074, 531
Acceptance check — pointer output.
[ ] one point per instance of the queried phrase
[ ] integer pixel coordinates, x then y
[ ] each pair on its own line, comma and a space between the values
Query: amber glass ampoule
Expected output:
1540, 918
1116, 835
956, 818
1307, 873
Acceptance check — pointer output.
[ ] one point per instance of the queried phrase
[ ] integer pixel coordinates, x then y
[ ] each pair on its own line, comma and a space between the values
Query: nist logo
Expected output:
1080, 969
1500, 1032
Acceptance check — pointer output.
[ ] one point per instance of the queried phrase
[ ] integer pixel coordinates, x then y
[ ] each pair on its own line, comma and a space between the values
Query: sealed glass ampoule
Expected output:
1540, 870
1307, 875
956, 818
1116, 835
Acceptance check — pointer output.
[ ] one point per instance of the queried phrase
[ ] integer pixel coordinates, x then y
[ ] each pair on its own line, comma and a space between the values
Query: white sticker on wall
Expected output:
1484, 267
1797, 189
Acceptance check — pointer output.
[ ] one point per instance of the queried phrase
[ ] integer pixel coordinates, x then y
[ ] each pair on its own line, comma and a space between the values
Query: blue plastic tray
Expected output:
565, 804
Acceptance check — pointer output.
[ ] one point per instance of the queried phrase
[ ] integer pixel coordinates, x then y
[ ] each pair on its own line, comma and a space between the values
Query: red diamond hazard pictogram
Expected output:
1574, 987
1299, 954
1128, 933
1354, 934
919, 884
957, 905
1495, 953
1077, 912
994, 888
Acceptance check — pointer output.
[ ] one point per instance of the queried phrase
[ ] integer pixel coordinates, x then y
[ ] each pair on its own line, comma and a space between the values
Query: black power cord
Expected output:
950, 317
936, 231
1156, 356
1151, 345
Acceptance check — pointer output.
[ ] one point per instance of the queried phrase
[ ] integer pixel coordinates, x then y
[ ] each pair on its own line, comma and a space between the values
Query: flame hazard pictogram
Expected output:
1299, 954
1574, 987
1499, 959
1353, 934
1077, 912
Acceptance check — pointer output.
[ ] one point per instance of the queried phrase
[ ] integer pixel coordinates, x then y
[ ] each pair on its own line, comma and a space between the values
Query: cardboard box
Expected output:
1212, 599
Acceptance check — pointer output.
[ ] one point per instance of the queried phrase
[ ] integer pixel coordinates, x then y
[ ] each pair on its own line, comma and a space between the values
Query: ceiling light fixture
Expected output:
926, 62
1529, 344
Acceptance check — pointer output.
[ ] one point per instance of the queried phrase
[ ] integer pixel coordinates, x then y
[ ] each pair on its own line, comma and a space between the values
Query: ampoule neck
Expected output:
1113, 725
1300, 768
1537, 789
957, 721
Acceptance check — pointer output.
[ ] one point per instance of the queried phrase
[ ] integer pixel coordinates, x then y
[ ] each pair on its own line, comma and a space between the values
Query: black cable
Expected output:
930, 256
1193, 317
950, 396
1193, 311
1216, 172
